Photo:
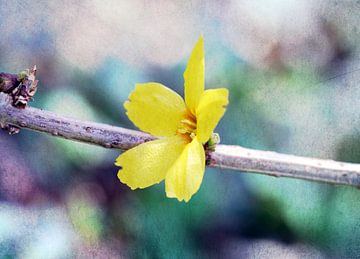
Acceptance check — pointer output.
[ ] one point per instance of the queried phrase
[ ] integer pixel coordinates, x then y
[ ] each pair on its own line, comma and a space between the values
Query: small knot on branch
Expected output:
17, 91
21, 88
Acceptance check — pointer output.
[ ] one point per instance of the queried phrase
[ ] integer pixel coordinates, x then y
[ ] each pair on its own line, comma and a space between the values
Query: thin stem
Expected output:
225, 156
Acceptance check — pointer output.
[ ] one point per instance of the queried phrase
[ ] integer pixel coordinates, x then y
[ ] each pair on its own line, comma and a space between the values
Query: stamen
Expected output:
187, 127
190, 116
190, 123
183, 131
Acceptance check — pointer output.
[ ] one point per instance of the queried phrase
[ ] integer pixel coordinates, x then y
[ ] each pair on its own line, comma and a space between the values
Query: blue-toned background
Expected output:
293, 71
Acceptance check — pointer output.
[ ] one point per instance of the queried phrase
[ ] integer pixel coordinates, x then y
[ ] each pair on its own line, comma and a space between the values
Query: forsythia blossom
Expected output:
178, 156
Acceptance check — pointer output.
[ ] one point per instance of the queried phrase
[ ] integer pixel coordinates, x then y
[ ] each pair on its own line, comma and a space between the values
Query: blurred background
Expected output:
293, 71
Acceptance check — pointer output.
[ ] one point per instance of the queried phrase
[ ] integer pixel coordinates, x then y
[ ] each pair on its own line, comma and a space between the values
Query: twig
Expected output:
231, 157
56, 125
282, 165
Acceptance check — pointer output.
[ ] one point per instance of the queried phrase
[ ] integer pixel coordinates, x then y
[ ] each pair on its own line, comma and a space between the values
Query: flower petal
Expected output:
194, 76
155, 109
148, 163
211, 108
185, 176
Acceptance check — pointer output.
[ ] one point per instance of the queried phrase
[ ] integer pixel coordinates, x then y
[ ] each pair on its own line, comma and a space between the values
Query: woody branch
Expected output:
225, 156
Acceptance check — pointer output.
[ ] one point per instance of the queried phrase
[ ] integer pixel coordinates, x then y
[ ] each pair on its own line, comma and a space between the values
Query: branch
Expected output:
225, 156
56, 125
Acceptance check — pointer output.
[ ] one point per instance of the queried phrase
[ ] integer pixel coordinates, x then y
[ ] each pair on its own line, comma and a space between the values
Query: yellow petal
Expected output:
211, 108
194, 76
185, 176
155, 109
148, 163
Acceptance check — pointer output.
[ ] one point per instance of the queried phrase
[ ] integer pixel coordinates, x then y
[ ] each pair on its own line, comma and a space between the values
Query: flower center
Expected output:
187, 127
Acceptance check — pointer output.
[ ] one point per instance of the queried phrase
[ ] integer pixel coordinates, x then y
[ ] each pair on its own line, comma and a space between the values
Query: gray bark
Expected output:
225, 156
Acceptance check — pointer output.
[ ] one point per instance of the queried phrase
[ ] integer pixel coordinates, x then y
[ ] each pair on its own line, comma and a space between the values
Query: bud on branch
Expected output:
21, 87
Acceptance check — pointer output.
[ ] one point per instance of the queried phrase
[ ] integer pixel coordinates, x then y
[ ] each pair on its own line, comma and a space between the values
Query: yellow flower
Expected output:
183, 128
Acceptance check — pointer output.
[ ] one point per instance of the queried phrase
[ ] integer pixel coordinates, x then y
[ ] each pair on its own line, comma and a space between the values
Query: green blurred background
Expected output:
293, 71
